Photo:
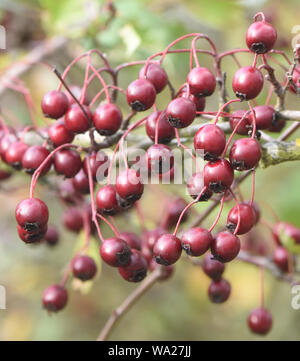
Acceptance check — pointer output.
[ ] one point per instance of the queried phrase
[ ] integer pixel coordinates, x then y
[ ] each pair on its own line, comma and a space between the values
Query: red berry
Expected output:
296, 80
54, 104
225, 247
81, 182
281, 258
255, 208
265, 116
99, 163
247, 83
5, 142
34, 157
59, 134
166, 271
211, 140
247, 218
261, 37
55, 298
132, 239
67, 162
129, 185
197, 100
244, 126
173, 212
75, 119
218, 175
106, 200
73, 219
260, 321
14, 154
150, 237
32, 236
84, 268
137, 268
4, 175
195, 186
160, 158
76, 91
141, 95
115, 252
167, 249
196, 241
219, 291
51, 236
181, 112
107, 119
67, 192
212, 268
286, 230
32, 214
202, 82
156, 75
245, 153
165, 131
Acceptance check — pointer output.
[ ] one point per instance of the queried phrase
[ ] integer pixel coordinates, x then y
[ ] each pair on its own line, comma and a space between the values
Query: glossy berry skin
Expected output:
195, 186
106, 200
84, 268
156, 75
115, 252
197, 100
32, 214
54, 104
34, 236
67, 162
225, 247
165, 131
245, 153
167, 249
132, 239
196, 241
166, 271
73, 219
212, 268
129, 186
260, 321
247, 83
5, 142
211, 140
67, 193
202, 82
247, 218
81, 182
218, 175
51, 236
244, 126
160, 158
99, 164
219, 291
173, 212
181, 112
14, 154
255, 208
265, 116
55, 298
137, 268
141, 95
75, 119
107, 119
59, 134
150, 237
284, 229
281, 258
34, 157
261, 37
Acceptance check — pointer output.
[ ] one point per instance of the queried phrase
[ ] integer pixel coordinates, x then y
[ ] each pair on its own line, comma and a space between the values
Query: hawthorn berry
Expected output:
32, 236
156, 75
34, 157
106, 200
255, 208
67, 162
59, 134
14, 154
32, 214
281, 258
218, 175
265, 116
5, 142
107, 119
181, 112
247, 83
166, 271
55, 298
219, 290
160, 158
54, 104
196, 241
173, 212
137, 268
76, 91
4, 174
84, 268
225, 247
115, 252
197, 100
129, 186
212, 268
73, 219
167, 249
150, 237
81, 182
99, 163
202, 82
165, 131
141, 95
195, 186
52, 236
244, 126
244, 154
75, 119
261, 37
284, 230
132, 239
211, 140
247, 218
260, 321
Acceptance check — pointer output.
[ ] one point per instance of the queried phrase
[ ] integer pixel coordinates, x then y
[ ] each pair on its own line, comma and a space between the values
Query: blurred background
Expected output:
178, 309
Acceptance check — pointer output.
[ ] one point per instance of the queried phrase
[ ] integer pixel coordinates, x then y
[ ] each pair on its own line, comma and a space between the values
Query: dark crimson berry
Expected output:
261, 37
196, 241
75, 119
67, 162
225, 247
156, 75
76, 91
106, 200
4, 175
218, 175
32, 236
166, 271
107, 119
137, 268
173, 212
160, 158
84, 268
14, 154
32, 214
244, 126
167, 249
141, 95
129, 185
55, 298
150, 237
81, 182
255, 208
286, 230
260, 321
54, 104
245, 153
73, 219
202, 82
115, 252
52, 236
219, 291
278, 125
181, 112
132, 239
5, 142
34, 157
59, 134
99, 163
296, 80
165, 131
195, 186
197, 100
281, 258
265, 116
247, 218
247, 83
212, 268
67, 192
211, 140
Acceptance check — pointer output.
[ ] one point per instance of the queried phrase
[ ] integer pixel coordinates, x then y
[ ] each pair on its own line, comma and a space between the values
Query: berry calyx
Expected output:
106, 200
55, 298
247, 218
196, 241
212, 268
181, 112
137, 268
219, 291
54, 104
84, 268
129, 186
211, 140
195, 186
67, 162
261, 37
202, 82
32, 236
107, 119
225, 247
165, 131
167, 249
34, 157
247, 83
245, 153
141, 95
32, 214
115, 252
260, 321
75, 119
218, 175
160, 158
156, 75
